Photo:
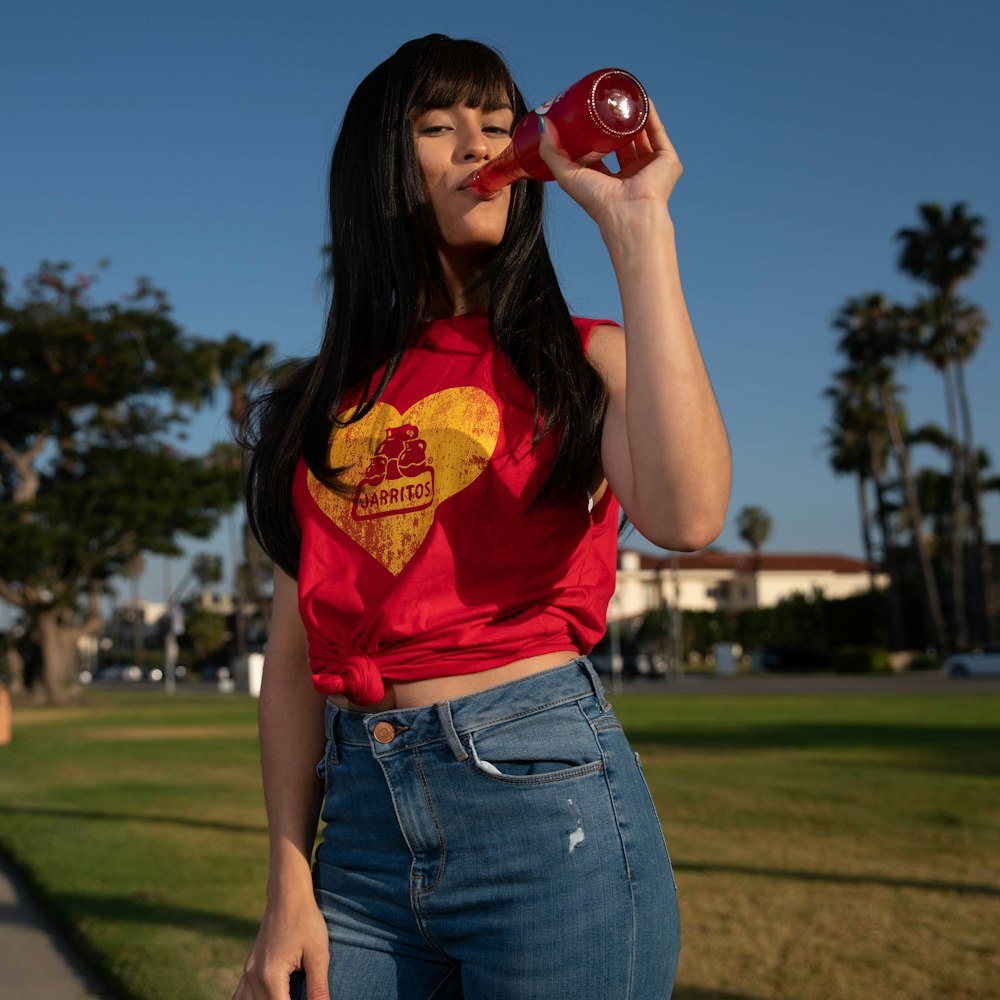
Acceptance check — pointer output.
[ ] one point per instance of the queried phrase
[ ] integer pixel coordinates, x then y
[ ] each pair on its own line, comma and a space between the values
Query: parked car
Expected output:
983, 662
119, 672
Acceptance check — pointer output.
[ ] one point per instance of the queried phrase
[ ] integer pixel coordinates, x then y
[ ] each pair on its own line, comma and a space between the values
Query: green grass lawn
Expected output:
837, 847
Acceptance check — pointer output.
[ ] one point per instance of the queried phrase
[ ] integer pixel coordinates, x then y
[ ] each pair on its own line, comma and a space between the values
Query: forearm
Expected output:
677, 443
292, 741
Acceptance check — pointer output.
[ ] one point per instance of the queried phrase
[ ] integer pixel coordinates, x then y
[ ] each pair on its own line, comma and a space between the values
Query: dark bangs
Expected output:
460, 71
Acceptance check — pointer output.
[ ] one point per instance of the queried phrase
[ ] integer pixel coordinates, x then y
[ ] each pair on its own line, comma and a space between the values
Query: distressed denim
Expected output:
500, 846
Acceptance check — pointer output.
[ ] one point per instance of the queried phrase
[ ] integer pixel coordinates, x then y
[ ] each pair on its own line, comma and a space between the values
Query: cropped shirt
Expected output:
437, 563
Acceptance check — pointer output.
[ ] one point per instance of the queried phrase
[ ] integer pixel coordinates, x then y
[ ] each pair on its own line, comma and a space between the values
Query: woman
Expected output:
439, 491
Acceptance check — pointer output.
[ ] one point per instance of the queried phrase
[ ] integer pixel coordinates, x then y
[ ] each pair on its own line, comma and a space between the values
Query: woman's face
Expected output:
452, 144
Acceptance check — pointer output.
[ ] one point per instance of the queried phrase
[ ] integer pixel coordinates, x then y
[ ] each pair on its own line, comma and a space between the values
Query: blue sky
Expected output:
189, 142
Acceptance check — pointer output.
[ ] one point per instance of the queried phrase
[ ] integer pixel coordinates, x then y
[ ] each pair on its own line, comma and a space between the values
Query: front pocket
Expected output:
551, 745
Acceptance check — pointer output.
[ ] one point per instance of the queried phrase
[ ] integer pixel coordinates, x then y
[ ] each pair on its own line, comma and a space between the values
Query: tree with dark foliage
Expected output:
93, 399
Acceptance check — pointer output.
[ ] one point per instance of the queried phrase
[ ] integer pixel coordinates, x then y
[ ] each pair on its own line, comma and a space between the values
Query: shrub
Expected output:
860, 660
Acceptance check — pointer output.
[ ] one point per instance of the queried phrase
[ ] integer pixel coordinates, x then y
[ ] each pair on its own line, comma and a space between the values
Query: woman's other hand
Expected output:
293, 935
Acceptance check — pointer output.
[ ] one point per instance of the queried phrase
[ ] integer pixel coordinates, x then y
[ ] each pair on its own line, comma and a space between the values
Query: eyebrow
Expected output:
485, 108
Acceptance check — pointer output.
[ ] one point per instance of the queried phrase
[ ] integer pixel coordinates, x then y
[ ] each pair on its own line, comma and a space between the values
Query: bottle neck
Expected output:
498, 173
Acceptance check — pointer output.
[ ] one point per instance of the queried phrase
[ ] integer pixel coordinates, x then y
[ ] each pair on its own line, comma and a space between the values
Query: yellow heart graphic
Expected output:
404, 465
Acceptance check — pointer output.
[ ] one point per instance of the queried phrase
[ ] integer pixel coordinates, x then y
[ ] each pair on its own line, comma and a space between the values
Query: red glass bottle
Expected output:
597, 115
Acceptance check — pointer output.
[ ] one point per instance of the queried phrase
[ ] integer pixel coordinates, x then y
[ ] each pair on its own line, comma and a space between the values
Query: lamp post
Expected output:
617, 662
175, 627
676, 619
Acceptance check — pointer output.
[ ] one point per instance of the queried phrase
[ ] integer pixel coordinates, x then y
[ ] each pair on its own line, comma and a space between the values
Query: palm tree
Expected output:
754, 525
858, 446
847, 444
946, 249
934, 343
941, 253
874, 334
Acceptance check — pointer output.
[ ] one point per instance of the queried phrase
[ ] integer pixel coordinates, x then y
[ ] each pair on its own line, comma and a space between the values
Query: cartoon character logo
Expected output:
399, 478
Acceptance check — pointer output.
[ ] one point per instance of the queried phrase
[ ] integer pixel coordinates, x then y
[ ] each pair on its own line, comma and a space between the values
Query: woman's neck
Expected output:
441, 308
463, 294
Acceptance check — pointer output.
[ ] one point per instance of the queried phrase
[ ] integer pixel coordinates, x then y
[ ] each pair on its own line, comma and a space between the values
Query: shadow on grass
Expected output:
148, 912
66, 911
118, 817
702, 993
969, 749
930, 885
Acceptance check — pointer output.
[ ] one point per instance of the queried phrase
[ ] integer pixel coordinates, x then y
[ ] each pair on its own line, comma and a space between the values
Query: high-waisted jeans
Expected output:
499, 846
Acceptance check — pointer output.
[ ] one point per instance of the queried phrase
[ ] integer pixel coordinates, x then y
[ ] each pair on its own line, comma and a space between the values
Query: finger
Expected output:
245, 990
274, 986
316, 968
551, 151
626, 155
318, 990
654, 132
643, 147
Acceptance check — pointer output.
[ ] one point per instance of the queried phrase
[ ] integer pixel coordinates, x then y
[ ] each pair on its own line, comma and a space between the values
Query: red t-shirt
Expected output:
435, 565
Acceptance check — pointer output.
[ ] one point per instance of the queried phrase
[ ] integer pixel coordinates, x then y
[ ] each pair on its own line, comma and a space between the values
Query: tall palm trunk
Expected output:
866, 528
934, 628
987, 609
890, 559
959, 619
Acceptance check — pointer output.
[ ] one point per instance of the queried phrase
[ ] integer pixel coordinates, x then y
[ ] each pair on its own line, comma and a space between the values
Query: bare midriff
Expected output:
431, 690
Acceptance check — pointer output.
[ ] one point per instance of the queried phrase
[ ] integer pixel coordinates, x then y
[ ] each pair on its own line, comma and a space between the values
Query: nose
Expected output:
473, 146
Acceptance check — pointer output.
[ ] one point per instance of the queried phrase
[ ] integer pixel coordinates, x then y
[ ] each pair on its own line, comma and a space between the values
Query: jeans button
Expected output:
384, 732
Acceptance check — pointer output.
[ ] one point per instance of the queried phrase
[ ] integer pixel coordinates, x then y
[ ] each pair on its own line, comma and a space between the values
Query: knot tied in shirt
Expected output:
352, 674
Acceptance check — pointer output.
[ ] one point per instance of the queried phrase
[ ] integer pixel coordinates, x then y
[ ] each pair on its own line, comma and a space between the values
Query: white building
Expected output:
731, 581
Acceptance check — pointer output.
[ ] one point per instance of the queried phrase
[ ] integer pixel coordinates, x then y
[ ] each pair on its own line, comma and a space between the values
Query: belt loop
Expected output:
595, 682
330, 728
454, 743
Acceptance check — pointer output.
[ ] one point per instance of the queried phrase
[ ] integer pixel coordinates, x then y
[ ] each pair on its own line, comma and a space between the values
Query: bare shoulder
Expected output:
606, 352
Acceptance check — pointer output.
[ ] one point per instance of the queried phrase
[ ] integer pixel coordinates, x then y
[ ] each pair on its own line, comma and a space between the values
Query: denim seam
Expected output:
393, 791
437, 827
533, 711
330, 731
628, 879
567, 774
440, 738
606, 724
444, 982
663, 836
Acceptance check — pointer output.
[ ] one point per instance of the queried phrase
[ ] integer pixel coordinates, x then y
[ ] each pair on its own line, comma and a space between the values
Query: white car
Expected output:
983, 662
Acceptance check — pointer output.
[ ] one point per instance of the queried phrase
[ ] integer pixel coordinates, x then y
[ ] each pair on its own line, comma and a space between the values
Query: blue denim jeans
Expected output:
500, 846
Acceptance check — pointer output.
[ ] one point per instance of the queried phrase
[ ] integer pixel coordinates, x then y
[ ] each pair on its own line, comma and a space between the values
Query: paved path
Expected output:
35, 962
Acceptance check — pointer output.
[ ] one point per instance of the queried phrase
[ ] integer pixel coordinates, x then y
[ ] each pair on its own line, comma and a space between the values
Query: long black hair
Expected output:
385, 272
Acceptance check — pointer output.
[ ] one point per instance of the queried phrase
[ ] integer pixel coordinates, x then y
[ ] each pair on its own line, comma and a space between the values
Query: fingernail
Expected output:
541, 122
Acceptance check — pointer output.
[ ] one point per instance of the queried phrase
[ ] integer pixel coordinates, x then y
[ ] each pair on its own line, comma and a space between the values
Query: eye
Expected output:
496, 130
434, 129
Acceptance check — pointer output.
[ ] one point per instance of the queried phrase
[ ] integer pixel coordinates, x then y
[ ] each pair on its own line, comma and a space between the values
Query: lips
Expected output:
469, 184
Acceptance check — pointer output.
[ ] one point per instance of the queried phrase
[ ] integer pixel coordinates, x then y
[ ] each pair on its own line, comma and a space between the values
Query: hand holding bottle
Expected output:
600, 113
648, 170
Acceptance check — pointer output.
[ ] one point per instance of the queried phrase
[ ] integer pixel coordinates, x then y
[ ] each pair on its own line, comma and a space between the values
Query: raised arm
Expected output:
293, 934
664, 448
